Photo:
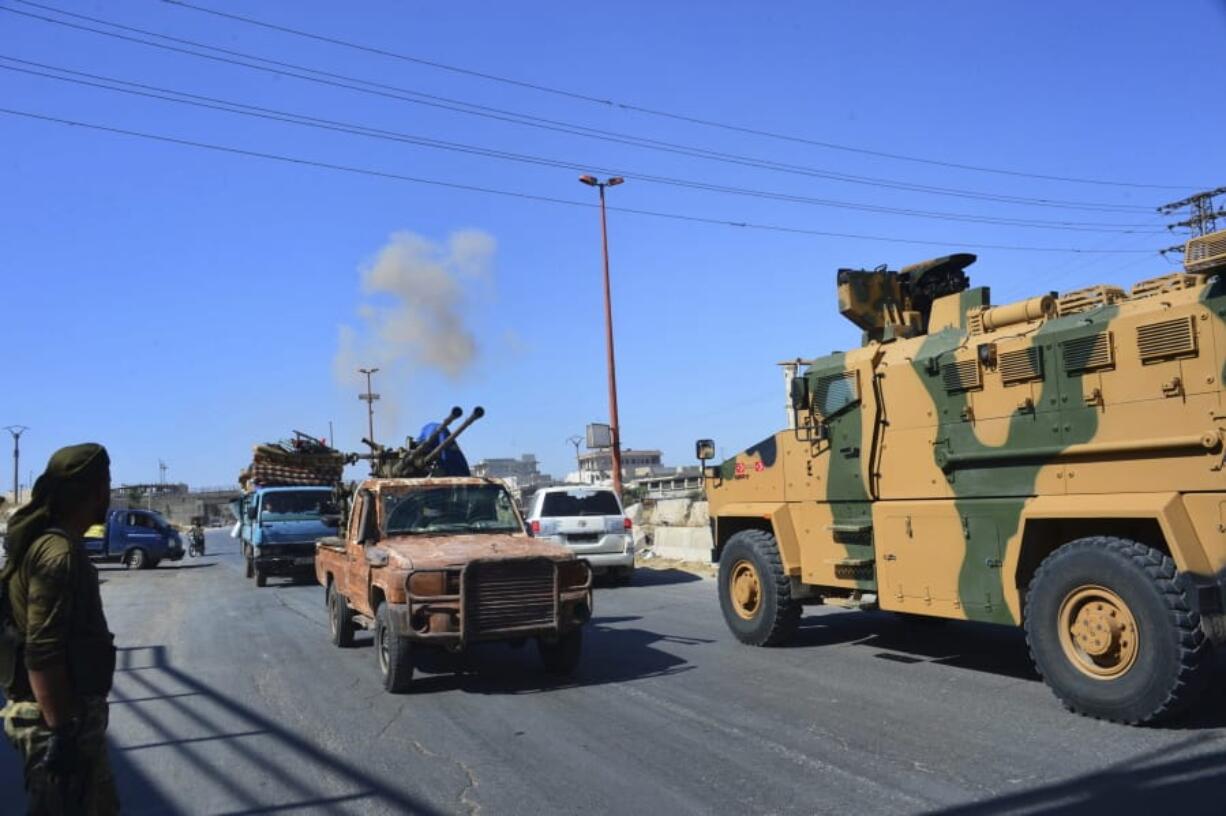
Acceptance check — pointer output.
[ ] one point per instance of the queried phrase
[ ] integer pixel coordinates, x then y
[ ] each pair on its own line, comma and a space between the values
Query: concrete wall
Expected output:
672, 528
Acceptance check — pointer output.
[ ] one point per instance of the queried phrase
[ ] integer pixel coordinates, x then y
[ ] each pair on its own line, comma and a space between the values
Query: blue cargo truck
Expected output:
278, 527
141, 539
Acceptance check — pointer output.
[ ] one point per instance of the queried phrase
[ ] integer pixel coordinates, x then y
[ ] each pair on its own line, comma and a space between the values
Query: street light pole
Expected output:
614, 425
369, 398
16, 431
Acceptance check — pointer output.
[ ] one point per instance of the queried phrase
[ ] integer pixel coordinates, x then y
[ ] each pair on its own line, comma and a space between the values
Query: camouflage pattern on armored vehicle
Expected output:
1055, 463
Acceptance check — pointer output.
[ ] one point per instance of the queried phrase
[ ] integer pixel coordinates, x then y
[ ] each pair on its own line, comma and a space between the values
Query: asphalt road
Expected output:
232, 700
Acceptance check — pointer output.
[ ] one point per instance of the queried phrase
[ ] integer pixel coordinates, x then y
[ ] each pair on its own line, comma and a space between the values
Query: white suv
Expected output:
590, 521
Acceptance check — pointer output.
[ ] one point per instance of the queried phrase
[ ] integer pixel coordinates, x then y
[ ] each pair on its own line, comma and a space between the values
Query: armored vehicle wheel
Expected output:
261, 578
561, 657
136, 558
754, 593
1111, 629
250, 571
340, 620
395, 653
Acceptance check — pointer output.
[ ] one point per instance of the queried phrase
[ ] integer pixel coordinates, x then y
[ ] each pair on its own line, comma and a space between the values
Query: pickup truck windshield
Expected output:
450, 509
580, 503
294, 505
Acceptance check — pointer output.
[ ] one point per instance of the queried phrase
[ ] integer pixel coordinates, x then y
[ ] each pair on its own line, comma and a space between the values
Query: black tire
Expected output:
622, 576
340, 619
136, 558
250, 570
393, 653
153, 563
773, 620
561, 657
261, 577
1171, 662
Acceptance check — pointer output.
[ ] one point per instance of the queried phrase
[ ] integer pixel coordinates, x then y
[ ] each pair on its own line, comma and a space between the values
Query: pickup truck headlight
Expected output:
574, 574
429, 583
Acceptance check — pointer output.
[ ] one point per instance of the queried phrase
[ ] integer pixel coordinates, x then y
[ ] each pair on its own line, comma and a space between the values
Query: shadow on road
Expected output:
1171, 778
976, 646
306, 776
648, 576
610, 655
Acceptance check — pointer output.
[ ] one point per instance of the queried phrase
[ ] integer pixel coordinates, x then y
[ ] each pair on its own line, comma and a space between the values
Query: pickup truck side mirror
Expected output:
251, 512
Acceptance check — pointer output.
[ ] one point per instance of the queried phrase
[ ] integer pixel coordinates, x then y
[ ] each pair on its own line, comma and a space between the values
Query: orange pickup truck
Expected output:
445, 562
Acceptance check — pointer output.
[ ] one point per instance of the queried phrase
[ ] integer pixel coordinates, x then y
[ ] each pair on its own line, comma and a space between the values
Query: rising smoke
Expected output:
417, 293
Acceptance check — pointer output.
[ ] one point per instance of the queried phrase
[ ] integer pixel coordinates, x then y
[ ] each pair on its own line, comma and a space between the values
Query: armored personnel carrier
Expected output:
1054, 463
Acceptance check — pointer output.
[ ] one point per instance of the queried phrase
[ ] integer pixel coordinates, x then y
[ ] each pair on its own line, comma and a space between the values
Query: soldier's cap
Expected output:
70, 467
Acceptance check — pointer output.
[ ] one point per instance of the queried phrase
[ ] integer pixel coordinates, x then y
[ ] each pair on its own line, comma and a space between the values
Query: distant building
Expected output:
596, 466
522, 475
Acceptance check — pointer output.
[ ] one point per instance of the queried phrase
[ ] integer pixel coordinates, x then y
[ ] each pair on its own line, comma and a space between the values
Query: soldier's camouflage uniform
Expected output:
56, 609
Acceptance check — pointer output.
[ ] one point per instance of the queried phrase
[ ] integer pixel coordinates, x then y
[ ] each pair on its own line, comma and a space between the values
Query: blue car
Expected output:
141, 539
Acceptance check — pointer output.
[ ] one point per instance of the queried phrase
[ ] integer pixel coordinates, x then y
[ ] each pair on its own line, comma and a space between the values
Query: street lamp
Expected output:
614, 425
16, 431
369, 398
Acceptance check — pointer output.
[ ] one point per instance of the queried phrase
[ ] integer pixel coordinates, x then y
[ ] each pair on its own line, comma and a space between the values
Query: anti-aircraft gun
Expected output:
419, 458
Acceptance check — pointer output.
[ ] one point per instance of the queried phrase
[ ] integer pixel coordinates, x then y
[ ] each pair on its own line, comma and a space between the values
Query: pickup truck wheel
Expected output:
1113, 631
395, 653
136, 558
561, 657
755, 594
261, 578
250, 571
340, 619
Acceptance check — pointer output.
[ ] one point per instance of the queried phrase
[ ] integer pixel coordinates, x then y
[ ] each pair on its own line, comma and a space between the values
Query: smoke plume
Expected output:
416, 297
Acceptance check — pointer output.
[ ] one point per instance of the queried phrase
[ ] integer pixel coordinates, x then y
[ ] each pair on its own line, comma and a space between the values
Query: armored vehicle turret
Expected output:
1055, 463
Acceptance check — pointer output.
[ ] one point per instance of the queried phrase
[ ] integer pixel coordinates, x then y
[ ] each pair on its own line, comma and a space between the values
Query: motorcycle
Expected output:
195, 542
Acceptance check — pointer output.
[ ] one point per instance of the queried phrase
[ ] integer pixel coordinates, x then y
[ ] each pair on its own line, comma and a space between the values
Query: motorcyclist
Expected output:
195, 537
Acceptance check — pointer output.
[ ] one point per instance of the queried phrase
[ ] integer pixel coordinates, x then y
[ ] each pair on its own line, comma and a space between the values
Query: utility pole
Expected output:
331, 436
162, 468
1203, 214
614, 425
16, 431
369, 398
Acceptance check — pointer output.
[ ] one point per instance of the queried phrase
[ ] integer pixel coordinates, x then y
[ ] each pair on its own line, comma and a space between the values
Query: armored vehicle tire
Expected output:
394, 653
755, 594
1111, 630
340, 620
136, 558
561, 657
261, 578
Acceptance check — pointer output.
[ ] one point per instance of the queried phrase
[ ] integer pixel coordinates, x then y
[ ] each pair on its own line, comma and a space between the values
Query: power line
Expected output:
512, 117
711, 123
534, 197
243, 109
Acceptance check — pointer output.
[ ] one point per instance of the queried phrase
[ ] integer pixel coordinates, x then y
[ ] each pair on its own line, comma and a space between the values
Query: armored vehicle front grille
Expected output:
1173, 282
1092, 297
1088, 353
963, 375
509, 595
834, 392
1205, 253
1170, 338
1021, 365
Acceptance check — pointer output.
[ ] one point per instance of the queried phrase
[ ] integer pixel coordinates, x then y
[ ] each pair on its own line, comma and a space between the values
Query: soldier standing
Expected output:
57, 657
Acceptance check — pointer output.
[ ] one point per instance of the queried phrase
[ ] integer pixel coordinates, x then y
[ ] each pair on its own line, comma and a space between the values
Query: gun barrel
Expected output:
456, 413
429, 458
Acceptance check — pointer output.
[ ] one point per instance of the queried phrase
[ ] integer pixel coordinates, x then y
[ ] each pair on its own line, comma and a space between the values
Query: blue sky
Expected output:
181, 304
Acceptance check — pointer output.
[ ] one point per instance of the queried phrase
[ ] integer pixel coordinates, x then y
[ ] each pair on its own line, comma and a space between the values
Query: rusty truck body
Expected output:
447, 562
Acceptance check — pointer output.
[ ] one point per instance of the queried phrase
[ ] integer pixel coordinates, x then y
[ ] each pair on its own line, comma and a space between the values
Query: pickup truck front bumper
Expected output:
499, 599
286, 562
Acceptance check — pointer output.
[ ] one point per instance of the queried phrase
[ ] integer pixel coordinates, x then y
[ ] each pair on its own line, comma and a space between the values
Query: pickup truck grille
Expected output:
507, 596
